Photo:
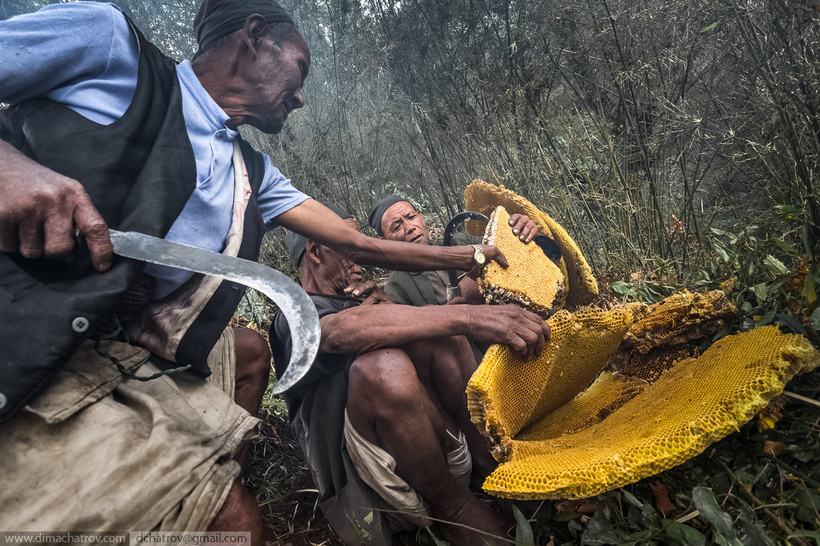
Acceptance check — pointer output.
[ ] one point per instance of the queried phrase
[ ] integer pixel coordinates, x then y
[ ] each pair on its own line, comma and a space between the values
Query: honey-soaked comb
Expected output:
695, 403
661, 334
581, 286
508, 392
651, 365
532, 280
679, 318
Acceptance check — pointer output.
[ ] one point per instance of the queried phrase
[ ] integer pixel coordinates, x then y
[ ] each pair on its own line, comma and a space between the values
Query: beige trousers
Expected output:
95, 452
377, 468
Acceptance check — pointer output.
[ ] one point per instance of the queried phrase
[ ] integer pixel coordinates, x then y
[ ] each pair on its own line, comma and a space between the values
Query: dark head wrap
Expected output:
216, 18
297, 244
374, 217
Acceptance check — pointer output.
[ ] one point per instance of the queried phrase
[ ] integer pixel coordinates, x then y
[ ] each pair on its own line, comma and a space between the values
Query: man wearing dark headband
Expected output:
106, 131
396, 219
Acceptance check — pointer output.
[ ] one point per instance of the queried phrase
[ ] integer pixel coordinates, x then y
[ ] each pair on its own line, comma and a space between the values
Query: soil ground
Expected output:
279, 477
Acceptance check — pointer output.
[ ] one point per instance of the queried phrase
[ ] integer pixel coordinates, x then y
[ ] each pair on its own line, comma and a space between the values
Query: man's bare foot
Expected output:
475, 523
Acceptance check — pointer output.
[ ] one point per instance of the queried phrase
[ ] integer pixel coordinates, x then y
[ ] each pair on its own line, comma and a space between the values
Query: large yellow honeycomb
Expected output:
508, 392
519, 283
690, 406
581, 286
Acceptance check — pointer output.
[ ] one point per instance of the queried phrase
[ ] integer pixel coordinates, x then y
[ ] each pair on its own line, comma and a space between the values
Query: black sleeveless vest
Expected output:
140, 172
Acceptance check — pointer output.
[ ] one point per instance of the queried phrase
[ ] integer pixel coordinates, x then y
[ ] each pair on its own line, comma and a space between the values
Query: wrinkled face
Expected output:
401, 222
339, 271
275, 83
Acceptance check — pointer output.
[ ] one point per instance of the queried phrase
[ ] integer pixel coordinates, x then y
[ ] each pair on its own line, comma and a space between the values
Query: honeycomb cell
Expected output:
532, 280
678, 319
581, 286
651, 365
607, 393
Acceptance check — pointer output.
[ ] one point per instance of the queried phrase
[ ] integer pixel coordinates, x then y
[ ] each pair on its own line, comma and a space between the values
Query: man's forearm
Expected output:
318, 223
371, 327
408, 256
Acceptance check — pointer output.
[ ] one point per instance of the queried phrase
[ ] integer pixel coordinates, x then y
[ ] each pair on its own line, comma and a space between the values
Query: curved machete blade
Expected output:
457, 220
291, 299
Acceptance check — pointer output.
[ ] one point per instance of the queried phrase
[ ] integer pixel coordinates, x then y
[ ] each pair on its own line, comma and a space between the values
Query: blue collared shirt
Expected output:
84, 55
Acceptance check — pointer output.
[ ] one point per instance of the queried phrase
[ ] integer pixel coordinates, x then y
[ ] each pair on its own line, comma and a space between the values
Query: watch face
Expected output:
480, 258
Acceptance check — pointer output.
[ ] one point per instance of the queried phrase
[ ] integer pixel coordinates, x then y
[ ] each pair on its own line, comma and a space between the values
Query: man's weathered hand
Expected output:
41, 209
523, 331
368, 291
524, 227
492, 253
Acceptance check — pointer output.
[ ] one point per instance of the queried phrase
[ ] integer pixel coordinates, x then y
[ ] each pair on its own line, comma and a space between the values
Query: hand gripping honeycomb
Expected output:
697, 402
581, 286
532, 280
508, 393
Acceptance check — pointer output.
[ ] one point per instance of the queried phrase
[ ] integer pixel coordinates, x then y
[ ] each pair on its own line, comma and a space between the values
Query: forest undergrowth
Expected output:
758, 486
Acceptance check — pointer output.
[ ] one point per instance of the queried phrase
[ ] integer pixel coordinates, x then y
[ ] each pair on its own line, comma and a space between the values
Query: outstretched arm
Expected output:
41, 209
317, 222
369, 327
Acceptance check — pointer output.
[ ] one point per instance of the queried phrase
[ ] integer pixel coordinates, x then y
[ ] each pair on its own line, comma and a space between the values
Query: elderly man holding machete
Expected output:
103, 361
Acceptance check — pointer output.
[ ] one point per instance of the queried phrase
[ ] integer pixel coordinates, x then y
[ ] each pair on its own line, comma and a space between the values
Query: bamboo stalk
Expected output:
804, 399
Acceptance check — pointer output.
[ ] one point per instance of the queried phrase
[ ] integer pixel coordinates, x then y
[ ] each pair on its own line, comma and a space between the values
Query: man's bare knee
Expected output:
383, 377
252, 354
383, 387
252, 370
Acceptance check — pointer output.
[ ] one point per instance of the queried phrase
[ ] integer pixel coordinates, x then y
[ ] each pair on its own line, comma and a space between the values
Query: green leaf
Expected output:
721, 252
761, 292
809, 291
717, 231
599, 532
775, 265
707, 28
622, 288
751, 533
785, 247
632, 498
791, 323
806, 534
679, 534
787, 212
253, 307
815, 319
709, 508
523, 530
